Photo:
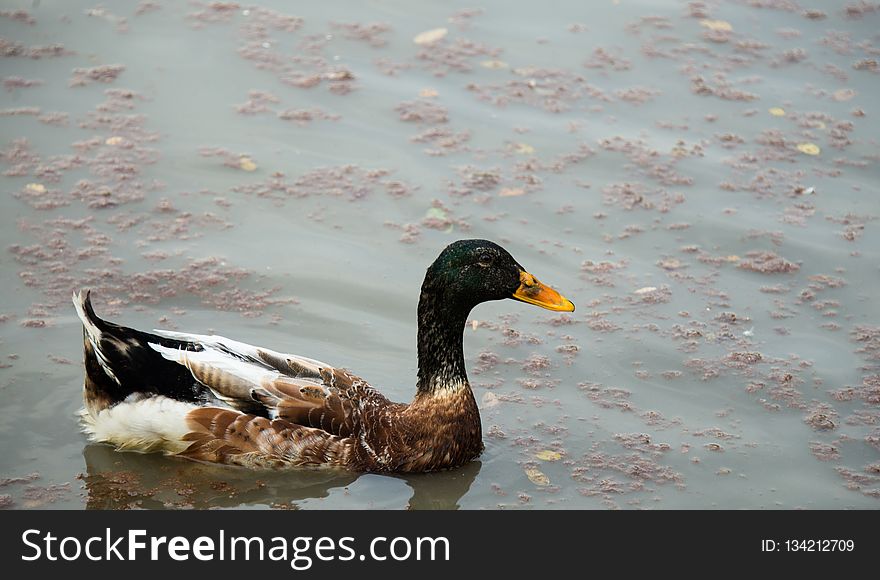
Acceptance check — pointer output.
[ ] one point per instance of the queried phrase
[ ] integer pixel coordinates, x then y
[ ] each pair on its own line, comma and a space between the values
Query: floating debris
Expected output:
430, 36
537, 477
843, 94
490, 400
548, 455
719, 25
808, 148
101, 74
523, 149
767, 263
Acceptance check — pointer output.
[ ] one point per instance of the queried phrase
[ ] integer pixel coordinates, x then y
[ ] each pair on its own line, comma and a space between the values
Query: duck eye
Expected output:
485, 260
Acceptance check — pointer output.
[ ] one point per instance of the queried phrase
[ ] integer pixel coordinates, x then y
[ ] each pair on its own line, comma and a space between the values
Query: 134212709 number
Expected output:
819, 545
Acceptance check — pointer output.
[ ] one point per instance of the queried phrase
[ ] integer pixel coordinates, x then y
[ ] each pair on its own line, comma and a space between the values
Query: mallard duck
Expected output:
208, 398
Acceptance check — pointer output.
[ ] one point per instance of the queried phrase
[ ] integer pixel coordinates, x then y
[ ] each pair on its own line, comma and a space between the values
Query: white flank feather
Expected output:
148, 424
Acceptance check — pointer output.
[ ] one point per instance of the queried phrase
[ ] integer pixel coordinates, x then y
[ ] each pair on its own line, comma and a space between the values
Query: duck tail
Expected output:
120, 362
101, 387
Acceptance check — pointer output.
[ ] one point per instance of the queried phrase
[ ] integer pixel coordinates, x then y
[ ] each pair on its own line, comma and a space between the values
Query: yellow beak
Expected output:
532, 291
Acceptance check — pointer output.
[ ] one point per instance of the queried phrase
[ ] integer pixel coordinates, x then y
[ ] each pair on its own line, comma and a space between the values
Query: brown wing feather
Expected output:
335, 405
291, 388
230, 437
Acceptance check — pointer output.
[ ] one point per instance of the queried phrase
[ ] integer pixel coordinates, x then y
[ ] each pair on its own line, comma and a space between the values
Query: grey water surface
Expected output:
699, 178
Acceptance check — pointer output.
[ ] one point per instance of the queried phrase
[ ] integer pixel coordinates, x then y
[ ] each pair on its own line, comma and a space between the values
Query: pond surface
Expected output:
700, 178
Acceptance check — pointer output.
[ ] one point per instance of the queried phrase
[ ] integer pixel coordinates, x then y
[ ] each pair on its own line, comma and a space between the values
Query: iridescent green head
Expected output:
469, 272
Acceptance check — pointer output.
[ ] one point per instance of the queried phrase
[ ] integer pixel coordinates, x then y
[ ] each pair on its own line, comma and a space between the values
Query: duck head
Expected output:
469, 272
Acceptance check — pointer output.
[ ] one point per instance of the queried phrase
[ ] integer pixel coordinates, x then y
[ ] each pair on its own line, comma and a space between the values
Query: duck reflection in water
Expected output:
116, 481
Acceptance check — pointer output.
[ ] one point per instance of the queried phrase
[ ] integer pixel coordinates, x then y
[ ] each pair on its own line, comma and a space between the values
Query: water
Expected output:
625, 152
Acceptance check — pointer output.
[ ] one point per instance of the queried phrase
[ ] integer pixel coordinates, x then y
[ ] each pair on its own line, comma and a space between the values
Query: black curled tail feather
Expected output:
119, 362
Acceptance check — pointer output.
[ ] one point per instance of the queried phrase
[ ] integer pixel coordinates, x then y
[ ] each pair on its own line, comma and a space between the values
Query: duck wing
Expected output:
270, 384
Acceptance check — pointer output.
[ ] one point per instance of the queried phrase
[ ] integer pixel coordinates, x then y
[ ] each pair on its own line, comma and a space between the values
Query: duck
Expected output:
212, 399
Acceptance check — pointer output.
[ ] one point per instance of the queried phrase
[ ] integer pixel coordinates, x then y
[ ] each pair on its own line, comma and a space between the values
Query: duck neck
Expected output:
440, 336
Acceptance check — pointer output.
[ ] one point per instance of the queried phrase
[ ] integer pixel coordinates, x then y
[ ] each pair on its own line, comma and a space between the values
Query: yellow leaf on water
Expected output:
494, 64
113, 141
547, 455
247, 164
430, 36
722, 25
428, 93
645, 290
777, 111
511, 192
732, 258
537, 477
523, 148
35, 187
809, 148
